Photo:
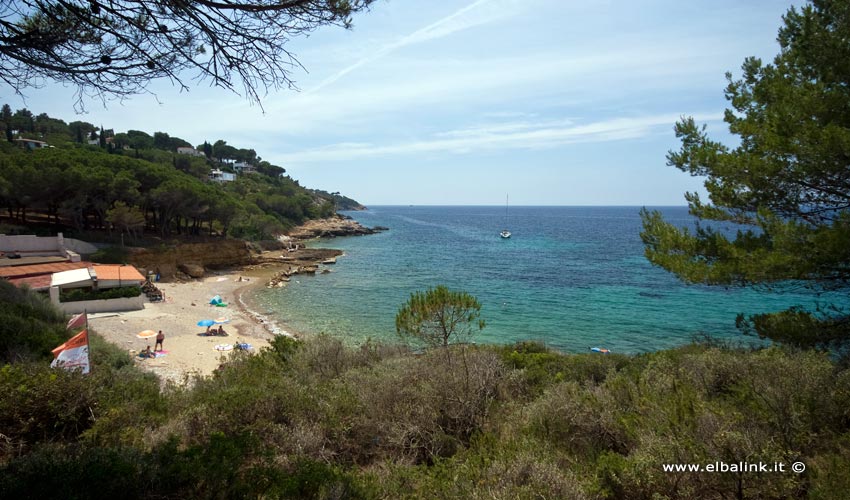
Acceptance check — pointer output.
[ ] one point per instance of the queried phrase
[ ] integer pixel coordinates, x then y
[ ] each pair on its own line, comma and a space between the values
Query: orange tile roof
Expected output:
38, 269
41, 282
117, 271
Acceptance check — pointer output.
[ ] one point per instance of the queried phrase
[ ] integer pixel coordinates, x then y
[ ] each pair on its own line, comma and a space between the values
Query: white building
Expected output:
219, 176
243, 168
187, 150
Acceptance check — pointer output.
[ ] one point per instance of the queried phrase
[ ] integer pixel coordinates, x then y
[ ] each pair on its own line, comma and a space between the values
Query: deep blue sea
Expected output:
572, 277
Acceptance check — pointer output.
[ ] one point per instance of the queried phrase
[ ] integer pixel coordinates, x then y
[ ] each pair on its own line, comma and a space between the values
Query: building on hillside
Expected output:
31, 144
94, 278
188, 150
98, 277
242, 167
37, 277
218, 176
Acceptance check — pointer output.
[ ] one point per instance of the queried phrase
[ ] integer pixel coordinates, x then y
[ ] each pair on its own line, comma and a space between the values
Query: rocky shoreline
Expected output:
340, 225
192, 261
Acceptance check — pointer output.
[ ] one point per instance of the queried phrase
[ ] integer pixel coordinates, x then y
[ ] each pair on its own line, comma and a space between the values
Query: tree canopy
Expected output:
137, 183
114, 48
786, 184
438, 316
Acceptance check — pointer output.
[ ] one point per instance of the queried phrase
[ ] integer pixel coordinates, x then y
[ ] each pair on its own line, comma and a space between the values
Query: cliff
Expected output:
192, 258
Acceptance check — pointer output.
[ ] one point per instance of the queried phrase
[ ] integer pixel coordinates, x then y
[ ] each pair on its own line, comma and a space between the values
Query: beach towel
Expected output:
224, 347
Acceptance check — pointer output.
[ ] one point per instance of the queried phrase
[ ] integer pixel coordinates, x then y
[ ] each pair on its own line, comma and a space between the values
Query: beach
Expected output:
187, 351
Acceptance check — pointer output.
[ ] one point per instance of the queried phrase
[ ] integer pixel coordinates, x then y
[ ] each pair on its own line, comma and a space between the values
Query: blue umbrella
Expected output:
206, 322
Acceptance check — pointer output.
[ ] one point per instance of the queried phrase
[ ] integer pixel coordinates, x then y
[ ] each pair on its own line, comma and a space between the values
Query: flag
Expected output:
73, 354
76, 321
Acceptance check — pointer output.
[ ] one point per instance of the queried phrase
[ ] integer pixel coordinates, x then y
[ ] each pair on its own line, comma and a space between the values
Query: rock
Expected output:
193, 270
328, 228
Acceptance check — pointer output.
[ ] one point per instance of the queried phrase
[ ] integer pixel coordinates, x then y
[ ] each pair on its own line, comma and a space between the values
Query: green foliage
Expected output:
319, 419
30, 326
439, 316
784, 184
79, 294
147, 186
541, 367
110, 255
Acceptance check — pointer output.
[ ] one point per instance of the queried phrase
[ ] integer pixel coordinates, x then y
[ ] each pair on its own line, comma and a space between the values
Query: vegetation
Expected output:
317, 419
132, 183
439, 316
78, 294
115, 48
786, 184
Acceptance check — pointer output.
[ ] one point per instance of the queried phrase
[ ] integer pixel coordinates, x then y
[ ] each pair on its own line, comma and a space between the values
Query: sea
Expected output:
570, 277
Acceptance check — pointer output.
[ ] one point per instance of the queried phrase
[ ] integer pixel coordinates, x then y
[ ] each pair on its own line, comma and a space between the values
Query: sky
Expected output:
462, 102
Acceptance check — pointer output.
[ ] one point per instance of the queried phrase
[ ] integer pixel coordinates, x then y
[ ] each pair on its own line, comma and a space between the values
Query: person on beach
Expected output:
147, 353
159, 338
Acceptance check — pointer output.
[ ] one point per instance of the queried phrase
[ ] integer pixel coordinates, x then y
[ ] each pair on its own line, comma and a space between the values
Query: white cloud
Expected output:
506, 136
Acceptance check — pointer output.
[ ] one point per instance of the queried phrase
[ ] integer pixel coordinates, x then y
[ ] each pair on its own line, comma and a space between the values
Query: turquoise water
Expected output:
572, 277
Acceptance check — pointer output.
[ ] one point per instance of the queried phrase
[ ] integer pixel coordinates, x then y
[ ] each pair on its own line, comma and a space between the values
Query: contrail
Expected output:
416, 36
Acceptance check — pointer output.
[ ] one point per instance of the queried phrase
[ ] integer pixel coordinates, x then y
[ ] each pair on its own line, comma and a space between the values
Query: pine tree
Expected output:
787, 182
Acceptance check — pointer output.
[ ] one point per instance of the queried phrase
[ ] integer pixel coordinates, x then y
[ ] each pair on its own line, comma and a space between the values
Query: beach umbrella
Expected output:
222, 320
146, 334
206, 322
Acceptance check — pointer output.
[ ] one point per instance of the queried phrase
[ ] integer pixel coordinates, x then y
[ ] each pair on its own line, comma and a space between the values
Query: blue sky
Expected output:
461, 102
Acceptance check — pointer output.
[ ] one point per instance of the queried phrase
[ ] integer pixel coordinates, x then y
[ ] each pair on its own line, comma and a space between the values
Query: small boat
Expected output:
600, 350
505, 234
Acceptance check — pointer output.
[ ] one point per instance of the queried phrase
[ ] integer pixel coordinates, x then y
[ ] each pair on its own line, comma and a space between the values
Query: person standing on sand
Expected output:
159, 338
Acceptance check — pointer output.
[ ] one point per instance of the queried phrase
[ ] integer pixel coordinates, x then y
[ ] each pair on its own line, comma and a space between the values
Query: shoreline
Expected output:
188, 353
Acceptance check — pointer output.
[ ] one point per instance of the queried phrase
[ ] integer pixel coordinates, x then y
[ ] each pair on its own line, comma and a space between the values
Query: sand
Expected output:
188, 353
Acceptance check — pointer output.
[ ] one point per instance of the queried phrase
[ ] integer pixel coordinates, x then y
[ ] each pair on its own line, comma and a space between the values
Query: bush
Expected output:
30, 326
110, 255
80, 294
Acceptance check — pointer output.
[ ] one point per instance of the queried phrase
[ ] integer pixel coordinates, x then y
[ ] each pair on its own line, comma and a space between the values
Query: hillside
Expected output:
81, 178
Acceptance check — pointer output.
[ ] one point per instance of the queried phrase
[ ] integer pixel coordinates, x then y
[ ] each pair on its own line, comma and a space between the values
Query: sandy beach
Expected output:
186, 350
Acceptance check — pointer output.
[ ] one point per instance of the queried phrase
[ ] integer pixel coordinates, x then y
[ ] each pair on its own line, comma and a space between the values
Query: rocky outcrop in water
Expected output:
331, 227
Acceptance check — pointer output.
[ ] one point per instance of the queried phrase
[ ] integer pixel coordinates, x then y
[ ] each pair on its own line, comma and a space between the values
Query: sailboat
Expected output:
505, 233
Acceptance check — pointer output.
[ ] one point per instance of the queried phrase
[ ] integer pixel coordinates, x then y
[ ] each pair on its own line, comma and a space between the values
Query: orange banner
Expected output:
78, 340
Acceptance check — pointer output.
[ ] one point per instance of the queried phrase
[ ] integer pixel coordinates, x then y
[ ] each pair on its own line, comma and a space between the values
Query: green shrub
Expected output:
30, 326
110, 255
80, 294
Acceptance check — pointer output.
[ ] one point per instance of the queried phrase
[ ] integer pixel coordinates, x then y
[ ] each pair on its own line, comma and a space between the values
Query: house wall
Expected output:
80, 247
29, 243
47, 245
